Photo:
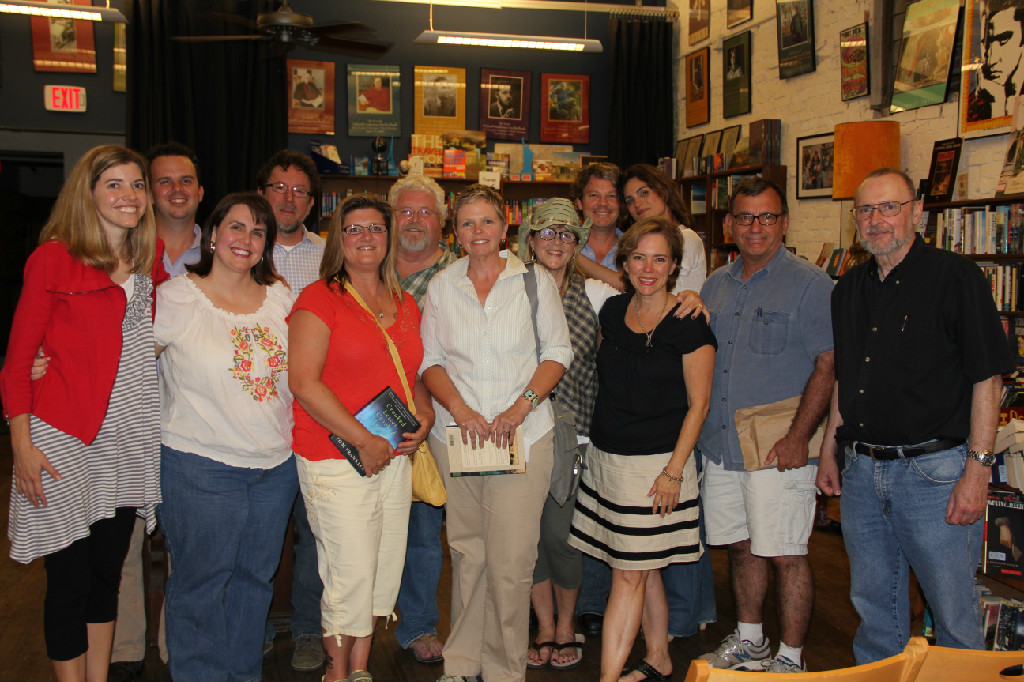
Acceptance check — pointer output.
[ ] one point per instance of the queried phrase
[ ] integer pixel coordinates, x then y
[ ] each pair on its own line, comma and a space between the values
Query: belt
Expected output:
890, 452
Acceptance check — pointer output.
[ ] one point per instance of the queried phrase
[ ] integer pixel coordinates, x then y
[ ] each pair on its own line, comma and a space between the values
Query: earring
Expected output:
213, 247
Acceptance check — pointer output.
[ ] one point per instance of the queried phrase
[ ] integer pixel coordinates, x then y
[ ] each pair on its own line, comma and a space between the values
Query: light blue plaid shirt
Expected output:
300, 265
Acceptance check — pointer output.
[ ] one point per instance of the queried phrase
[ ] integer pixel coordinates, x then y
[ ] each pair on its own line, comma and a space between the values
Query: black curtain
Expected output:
226, 100
642, 97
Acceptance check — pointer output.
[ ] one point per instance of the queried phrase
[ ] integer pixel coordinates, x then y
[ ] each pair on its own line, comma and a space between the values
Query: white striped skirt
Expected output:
613, 521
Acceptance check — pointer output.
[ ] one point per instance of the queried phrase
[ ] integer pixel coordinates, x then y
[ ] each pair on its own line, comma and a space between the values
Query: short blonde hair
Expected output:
75, 223
481, 193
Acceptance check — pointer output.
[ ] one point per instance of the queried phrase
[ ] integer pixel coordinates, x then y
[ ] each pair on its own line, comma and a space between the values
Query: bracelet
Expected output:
666, 474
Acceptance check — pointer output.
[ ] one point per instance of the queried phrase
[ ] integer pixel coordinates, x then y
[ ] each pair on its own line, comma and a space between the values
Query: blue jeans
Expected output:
224, 527
307, 588
689, 590
417, 598
894, 514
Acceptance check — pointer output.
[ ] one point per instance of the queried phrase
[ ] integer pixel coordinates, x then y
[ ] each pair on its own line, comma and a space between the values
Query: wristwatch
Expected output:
532, 396
984, 457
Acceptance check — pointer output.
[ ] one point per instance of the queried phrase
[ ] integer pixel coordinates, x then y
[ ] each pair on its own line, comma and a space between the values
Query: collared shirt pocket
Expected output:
769, 332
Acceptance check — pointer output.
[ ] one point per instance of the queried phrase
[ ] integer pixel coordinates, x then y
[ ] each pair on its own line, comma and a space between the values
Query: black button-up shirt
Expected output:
910, 348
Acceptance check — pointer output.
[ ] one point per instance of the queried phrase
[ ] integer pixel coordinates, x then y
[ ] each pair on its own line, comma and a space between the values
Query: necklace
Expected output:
648, 334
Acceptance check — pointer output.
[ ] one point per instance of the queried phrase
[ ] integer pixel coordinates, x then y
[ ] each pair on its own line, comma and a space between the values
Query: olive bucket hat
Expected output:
551, 213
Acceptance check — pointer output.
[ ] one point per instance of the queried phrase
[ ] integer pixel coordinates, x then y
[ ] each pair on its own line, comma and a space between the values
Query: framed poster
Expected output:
565, 109
686, 152
311, 104
711, 141
738, 11
439, 99
925, 54
992, 71
730, 136
736, 75
63, 45
373, 100
943, 171
698, 91
795, 22
700, 21
815, 155
853, 62
505, 103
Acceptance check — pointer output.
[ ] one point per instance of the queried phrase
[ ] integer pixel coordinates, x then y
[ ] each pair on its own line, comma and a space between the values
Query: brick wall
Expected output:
810, 104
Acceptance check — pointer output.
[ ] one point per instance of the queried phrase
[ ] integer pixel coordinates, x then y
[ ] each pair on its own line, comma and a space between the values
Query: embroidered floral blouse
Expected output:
224, 376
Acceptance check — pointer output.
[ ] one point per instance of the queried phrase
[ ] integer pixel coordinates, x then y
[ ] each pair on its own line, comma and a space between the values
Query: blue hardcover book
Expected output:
385, 416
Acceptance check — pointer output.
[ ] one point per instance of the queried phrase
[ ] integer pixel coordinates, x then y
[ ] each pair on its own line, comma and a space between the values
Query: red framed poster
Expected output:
63, 45
565, 108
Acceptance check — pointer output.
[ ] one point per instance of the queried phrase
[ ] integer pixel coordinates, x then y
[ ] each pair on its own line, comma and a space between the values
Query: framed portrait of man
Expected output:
993, 65
736, 75
439, 99
565, 111
698, 95
311, 97
373, 100
794, 21
505, 103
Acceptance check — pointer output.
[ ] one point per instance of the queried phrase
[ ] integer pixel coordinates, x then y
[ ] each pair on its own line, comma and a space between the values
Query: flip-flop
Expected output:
537, 646
424, 659
575, 663
651, 673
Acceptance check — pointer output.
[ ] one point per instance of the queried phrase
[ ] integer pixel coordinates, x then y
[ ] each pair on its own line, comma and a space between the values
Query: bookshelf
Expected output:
518, 196
989, 231
709, 217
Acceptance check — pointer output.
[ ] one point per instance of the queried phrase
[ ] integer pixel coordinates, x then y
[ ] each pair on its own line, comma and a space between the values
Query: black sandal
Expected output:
538, 646
651, 673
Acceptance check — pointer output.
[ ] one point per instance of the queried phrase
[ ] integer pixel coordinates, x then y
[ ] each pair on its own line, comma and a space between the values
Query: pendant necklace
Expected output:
648, 334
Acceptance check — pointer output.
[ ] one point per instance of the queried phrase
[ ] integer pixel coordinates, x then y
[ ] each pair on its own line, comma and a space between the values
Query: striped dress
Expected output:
120, 468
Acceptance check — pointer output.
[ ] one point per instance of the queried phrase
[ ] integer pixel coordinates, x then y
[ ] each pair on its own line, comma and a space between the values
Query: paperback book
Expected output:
385, 416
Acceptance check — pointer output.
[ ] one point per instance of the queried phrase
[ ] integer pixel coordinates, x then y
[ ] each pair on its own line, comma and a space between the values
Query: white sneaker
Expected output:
739, 654
781, 664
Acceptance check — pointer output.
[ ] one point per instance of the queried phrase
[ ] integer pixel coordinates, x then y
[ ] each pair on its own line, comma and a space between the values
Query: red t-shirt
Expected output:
359, 365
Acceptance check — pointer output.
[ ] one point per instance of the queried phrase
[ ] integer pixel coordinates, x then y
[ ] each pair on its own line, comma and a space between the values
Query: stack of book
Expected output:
764, 138
515, 211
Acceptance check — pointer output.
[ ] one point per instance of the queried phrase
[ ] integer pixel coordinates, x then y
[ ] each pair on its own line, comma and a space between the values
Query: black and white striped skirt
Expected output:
614, 522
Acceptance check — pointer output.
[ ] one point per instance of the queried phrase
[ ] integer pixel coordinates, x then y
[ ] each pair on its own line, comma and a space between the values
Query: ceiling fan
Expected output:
288, 29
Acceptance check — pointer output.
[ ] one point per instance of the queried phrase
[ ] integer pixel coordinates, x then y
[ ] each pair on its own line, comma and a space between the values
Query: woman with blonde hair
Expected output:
86, 434
354, 334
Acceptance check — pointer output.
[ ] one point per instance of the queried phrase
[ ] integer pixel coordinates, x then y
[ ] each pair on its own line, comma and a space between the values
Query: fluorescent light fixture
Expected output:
54, 11
508, 40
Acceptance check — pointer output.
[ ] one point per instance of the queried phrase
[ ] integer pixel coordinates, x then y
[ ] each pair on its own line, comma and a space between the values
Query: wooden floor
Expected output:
23, 656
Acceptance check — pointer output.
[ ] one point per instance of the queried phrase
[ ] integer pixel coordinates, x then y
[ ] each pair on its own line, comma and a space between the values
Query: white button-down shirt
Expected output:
489, 351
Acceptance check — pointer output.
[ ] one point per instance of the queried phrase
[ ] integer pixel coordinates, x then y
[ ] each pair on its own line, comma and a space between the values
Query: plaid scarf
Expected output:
577, 390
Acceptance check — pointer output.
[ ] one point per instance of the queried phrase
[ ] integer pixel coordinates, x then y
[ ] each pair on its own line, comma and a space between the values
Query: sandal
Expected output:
539, 647
420, 648
651, 674
360, 676
576, 662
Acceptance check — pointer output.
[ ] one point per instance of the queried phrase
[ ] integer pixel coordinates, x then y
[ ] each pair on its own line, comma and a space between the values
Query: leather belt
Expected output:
891, 452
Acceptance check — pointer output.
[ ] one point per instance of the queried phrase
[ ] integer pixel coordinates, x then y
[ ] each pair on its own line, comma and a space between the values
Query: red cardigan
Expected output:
74, 311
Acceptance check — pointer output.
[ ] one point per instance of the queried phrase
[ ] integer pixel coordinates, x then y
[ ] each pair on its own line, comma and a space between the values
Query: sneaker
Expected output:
781, 664
308, 654
737, 654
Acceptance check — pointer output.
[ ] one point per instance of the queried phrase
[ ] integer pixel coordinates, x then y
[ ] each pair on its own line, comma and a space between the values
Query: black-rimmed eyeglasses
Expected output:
763, 218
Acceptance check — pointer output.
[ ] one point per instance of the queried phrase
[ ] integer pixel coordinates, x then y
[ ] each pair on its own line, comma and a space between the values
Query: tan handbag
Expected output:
427, 485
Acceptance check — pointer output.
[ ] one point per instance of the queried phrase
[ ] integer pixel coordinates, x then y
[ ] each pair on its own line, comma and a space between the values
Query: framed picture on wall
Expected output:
926, 52
565, 108
63, 45
311, 101
730, 136
439, 99
505, 103
738, 11
736, 75
815, 157
687, 152
711, 141
700, 21
373, 100
853, 62
698, 92
984, 107
795, 22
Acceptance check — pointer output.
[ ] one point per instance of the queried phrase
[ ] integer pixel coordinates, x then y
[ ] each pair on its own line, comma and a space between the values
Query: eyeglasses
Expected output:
372, 228
564, 236
282, 188
410, 212
763, 218
886, 208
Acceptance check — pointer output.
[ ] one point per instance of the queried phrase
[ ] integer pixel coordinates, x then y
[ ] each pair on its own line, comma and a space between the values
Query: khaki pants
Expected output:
130, 629
493, 526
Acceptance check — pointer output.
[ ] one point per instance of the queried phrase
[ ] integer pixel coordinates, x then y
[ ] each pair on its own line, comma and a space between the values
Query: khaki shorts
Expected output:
360, 525
774, 509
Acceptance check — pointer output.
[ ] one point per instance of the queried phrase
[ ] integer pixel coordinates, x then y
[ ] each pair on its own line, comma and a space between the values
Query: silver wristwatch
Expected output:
984, 457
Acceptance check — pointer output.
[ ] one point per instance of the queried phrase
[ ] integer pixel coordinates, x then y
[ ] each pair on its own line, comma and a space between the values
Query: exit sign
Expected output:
63, 98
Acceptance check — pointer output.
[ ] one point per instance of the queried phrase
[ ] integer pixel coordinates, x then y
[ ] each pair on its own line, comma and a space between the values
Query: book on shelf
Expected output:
486, 459
473, 144
431, 149
1009, 635
826, 251
385, 416
764, 141
454, 163
498, 162
698, 199
1010, 437
835, 262
1003, 553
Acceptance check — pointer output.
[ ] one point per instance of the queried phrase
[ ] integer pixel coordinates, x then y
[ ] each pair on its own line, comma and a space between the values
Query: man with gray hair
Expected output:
420, 211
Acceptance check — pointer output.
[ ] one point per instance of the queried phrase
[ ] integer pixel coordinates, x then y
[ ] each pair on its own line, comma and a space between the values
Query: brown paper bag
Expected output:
762, 426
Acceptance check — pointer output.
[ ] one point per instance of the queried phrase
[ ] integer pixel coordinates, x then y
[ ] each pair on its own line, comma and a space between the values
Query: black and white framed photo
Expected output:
736, 75
815, 156
795, 22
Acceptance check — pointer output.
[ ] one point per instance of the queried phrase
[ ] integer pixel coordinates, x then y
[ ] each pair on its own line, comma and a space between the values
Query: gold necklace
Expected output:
648, 334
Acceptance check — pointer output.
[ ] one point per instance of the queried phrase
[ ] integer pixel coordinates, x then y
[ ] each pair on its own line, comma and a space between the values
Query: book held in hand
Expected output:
486, 459
385, 416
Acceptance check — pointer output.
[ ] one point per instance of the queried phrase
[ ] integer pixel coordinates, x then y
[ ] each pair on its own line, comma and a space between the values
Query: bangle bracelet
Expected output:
666, 474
